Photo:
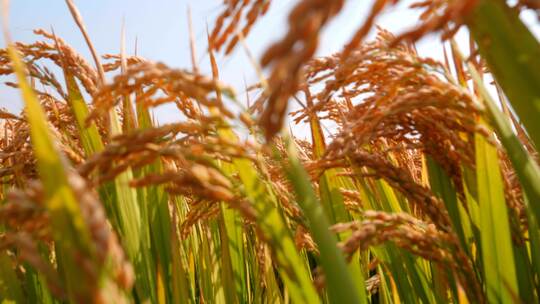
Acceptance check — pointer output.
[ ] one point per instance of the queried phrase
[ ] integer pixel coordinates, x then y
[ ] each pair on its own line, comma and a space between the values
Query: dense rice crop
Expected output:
425, 188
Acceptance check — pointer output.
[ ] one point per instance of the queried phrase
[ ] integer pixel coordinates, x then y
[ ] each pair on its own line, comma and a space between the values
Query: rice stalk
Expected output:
415, 184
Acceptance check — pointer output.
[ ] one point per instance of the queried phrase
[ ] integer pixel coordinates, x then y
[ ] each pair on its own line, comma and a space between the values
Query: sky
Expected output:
160, 28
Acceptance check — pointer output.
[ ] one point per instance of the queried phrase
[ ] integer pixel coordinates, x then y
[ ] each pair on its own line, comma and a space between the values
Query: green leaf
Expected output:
526, 167
91, 140
233, 248
70, 232
331, 197
291, 266
513, 56
339, 281
442, 186
529, 175
497, 251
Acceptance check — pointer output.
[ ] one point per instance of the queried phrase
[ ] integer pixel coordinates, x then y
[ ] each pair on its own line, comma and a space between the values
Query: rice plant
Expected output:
420, 181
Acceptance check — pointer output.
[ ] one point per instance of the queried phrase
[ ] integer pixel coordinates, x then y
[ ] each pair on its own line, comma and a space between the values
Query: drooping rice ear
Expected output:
305, 23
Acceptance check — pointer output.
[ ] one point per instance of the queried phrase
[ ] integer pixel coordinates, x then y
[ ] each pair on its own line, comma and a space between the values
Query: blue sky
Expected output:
160, 27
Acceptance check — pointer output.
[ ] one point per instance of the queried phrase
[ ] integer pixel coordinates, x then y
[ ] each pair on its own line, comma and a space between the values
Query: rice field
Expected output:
420, 181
